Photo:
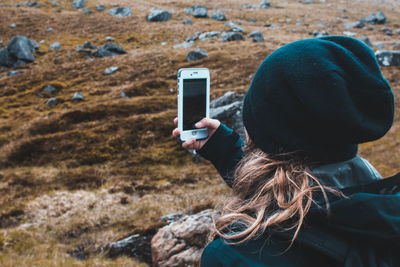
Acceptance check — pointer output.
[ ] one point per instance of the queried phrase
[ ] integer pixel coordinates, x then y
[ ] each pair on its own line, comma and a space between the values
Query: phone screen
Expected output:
194, 102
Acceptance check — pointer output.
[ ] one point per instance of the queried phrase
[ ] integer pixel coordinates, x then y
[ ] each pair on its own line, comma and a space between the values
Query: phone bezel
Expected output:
192, 73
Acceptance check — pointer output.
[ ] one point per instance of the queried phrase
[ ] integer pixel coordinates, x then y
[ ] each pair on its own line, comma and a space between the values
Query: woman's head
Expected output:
321, 96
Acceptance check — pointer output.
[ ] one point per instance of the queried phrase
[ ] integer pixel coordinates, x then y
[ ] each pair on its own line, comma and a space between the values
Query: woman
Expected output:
301, 195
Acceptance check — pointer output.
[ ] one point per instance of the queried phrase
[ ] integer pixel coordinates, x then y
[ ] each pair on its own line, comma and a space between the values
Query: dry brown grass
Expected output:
83, 174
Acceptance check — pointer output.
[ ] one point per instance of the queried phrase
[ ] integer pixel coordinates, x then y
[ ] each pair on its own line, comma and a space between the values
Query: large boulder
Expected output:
181, 243
121, 12
196, 54
375, 18
228, 110
109, 50
388, 58
18, 51
158, 15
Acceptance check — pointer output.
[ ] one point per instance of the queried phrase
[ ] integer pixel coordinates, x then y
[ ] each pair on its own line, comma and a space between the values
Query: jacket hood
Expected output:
369, 213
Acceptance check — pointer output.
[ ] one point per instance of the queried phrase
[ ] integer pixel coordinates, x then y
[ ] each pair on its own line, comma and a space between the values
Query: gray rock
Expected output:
89, 45
108, 50
387, 31
5, 58
32, 4
379, 45
196, 55
50, 89
21, 48
13, 73
110, 70
193, 38
264, 4
388, 58
100, 8
158, 15
50, 30
231, 36
87, 11
121, 12
183, 45
13, 26
307, 2
354, 25
54, 3
252, 20
181, 242
233, 27
78, 97
123, 95
257, 36
187, 21
78, 3
136, 246
198, 11
375, 18
228, 110
52, 102
366, 40
55, 46
319, 33
351, 34
206, 35
218, 15
109, 39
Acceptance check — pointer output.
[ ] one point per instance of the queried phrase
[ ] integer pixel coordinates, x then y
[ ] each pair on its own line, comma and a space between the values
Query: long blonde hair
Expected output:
268, 193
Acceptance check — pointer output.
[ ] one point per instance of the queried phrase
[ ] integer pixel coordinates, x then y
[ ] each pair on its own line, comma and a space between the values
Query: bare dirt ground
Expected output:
83, 174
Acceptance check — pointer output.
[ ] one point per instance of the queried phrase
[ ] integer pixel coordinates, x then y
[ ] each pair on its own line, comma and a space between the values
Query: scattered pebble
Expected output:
110, 70
50, 30
52, 102
55, 46
13, 26
196, 55
109, 39
78, 96
351, 34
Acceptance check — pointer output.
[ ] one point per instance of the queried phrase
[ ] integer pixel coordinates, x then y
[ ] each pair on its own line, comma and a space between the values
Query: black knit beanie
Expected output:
320, 97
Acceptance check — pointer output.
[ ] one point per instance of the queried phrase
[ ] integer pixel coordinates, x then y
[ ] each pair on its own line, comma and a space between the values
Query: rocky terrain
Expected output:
89, 172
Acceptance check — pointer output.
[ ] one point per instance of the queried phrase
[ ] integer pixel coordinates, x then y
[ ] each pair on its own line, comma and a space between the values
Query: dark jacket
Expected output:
361, 230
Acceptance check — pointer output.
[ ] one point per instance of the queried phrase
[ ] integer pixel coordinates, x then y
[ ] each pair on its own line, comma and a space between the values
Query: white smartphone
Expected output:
193, 102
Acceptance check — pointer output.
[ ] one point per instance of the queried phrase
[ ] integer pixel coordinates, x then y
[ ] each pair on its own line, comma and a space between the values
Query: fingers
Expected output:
176, 132
189, 144
176, 121
208, 123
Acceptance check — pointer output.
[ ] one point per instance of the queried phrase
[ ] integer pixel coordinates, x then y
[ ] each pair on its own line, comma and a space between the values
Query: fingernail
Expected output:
198, 124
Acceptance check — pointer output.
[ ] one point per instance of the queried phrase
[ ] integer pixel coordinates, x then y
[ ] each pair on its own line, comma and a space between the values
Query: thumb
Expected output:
208, 123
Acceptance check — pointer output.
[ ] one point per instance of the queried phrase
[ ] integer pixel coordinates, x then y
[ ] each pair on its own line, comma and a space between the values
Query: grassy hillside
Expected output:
82, 174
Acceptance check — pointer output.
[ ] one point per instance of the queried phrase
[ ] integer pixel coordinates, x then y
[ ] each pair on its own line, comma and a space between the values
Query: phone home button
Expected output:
194, 133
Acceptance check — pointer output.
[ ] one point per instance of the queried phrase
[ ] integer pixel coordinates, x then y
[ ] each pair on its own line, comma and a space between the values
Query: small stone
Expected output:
379, 45
54, 3
187, 21
89, 45
308, 2
319, 34
164, 43
264, 4
183, 45
55, 46
78, 96
110, 70
252, 20
78, 3
351, 34
218, 15
100, 8
234, 27
13, 73
109, 39
87, 11
206, 35
354, 25
13, 26
52, 102
50, 30
366, 40
198, 11
121, 12
49, 89
388, 58
196, 55
231, 36
42, 42
157, 15
375, 18
387, 31
108, 50
123, 95
257, 36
